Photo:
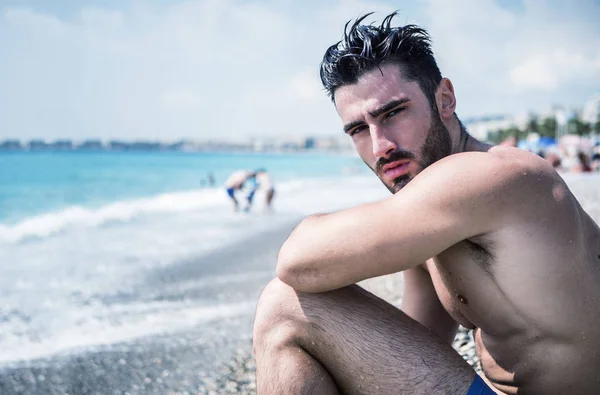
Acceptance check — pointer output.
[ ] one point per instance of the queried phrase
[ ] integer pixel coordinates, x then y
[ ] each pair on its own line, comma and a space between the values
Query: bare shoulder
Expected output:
526, 177
504, 161
500, 181
519, 157
521, 172
498, 169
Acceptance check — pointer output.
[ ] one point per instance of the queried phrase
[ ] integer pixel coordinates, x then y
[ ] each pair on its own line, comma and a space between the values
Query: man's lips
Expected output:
395, 169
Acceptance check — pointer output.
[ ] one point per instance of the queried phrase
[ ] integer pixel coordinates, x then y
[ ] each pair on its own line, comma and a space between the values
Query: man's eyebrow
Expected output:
377, 112
388, 106
351, 125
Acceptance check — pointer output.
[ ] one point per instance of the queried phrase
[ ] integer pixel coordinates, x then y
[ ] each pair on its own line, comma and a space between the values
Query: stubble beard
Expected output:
438, 145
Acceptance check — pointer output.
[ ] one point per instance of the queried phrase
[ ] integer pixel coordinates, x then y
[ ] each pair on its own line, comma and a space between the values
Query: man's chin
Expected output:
401, 182
397, 184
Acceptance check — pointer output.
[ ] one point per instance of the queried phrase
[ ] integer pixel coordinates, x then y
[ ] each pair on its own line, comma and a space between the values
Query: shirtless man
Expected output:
487, 237
265, 184
236, 182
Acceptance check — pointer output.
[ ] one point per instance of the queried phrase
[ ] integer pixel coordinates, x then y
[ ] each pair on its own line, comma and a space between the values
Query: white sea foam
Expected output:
317, 191
74, 279
54, 222
102, 326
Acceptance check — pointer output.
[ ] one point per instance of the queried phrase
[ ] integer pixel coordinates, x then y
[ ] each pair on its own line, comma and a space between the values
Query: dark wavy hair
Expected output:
366, 47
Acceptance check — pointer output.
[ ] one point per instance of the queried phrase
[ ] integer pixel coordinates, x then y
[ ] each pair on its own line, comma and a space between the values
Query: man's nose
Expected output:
382, 145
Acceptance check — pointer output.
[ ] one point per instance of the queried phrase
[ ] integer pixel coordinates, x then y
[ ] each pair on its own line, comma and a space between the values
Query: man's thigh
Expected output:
367, 345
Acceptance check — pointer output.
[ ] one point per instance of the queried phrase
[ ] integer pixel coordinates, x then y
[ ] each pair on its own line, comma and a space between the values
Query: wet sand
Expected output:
194, 361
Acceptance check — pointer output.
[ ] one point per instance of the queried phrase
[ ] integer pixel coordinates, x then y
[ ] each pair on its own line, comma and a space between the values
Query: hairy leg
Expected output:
269, 197
348, 341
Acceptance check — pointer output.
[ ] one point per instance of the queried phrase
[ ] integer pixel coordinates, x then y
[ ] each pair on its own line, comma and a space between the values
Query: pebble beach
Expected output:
211, 355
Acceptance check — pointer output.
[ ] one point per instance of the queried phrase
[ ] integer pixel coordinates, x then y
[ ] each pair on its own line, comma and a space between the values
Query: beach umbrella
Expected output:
545, 142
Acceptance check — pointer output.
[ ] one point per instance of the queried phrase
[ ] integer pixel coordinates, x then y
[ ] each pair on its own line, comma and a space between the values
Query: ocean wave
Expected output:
299, 194
100, 327
52, 223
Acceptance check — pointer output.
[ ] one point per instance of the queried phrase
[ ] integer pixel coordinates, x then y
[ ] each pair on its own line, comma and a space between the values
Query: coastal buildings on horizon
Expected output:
321, 144
563, 120
483, 128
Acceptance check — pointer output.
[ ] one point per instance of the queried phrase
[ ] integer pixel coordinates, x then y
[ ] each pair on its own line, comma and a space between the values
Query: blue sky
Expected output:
238, 69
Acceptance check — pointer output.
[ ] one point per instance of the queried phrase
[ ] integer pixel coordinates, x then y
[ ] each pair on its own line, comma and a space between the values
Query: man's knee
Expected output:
284, 316
276, 322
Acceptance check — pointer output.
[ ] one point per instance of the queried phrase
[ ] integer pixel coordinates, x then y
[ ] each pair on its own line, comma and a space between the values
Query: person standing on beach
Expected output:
211, 179
487, 237
596, 157
266, 185
235, 182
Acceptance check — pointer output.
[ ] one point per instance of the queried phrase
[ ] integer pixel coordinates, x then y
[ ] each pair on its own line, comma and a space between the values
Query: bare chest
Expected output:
463, 282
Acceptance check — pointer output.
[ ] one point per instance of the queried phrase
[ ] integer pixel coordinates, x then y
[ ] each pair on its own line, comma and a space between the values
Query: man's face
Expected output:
391, 123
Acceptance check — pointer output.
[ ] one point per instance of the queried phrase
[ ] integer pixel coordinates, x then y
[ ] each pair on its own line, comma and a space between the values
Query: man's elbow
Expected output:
289, 260
287, 275
297, 265
287, 267
299, 282
292, 272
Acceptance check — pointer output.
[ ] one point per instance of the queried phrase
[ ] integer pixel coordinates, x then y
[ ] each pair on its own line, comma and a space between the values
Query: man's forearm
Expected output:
294, 256
329, 251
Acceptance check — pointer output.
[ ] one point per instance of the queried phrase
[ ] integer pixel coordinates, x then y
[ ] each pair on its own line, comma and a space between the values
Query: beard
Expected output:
437, 145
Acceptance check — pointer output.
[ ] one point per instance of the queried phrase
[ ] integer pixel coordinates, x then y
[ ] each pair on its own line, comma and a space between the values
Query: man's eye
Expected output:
356, 130
393, 112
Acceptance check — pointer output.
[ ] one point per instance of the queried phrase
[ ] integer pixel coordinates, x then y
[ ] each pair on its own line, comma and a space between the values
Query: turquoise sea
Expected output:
36, 183
87, 237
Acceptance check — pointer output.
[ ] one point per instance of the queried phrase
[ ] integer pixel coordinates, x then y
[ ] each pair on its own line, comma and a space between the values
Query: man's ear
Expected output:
446, 101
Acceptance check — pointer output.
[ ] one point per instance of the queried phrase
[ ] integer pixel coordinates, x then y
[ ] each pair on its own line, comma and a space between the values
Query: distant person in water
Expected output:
209, 181
266, 184
236, 182
584, 163
554, 159
251, 188
596, 158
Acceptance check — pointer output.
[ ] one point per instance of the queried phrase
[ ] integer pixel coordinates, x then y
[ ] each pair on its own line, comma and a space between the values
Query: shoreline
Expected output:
213, 357
193, 359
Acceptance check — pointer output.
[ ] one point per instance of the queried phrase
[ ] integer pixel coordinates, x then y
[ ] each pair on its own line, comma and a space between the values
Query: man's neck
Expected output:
466, 142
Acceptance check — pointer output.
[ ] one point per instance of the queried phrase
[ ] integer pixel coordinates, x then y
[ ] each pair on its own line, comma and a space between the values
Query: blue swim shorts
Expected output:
479, 387
231, 193
251, 195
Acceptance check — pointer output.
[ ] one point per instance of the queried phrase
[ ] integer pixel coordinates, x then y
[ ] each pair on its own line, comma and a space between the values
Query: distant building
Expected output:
92, 145
11, 145
482, 127
309, 143
37, 145
61, 145
182, 145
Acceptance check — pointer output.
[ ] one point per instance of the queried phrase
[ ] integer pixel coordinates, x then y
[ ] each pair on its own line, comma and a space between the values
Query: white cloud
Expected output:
183, 100
26, 19
113, 74
305, 86
206, 68
534, 72
549, 71
511, 61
